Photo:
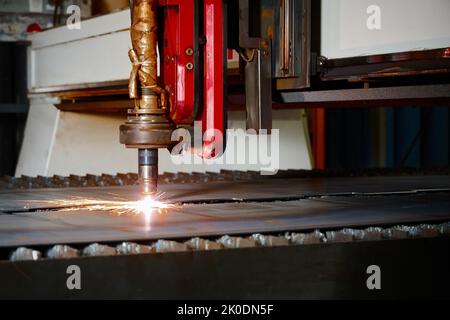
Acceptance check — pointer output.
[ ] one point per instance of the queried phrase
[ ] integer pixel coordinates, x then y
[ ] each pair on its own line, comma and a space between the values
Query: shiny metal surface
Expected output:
216, 209
184, 222
286, 25
228, 191
258, 88
148, 171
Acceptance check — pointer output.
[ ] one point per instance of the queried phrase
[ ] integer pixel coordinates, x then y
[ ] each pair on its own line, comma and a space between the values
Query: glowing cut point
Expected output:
147, 206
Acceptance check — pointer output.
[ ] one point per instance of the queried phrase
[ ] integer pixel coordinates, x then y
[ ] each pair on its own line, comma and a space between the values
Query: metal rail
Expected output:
290, 272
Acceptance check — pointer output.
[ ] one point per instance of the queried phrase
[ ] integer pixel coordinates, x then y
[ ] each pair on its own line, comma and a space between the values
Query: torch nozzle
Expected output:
148, 171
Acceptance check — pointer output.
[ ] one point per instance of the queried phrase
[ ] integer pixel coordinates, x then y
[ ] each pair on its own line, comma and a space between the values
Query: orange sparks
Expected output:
147, 206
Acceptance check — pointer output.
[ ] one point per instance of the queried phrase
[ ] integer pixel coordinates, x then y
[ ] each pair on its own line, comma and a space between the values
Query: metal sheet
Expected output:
68, 227
23, 200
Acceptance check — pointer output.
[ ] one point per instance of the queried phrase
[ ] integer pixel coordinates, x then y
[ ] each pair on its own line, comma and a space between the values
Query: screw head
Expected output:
189, 51
190, 66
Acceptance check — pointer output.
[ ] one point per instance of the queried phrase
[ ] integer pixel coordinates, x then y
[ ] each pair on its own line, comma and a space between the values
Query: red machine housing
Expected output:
193, 55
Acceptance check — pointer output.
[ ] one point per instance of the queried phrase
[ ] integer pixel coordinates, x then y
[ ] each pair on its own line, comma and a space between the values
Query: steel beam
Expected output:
350, 96
409, 269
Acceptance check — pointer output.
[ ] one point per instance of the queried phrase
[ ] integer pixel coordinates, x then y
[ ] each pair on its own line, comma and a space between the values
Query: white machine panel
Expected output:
97, 53
365, 27
61, 56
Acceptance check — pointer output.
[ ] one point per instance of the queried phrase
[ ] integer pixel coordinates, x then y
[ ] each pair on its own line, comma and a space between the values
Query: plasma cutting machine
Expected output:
217, 59
228, 234
279, 54
174, 100
193, 38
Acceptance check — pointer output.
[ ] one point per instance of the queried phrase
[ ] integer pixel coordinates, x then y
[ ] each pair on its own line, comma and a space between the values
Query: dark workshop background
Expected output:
13, 103
398, 137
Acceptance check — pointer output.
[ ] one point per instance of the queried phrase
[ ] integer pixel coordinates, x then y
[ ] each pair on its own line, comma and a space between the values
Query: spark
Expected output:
146, 206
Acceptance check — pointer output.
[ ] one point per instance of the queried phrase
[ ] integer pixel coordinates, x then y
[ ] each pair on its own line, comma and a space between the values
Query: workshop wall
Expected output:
387, 138
13, 103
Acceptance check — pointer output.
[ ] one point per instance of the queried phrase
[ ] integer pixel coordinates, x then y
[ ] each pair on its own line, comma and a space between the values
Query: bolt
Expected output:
190, 66
189, 51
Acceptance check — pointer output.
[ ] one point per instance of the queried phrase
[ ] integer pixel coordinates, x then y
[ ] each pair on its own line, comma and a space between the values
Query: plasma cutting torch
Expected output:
193, 38
191, 84
148, 127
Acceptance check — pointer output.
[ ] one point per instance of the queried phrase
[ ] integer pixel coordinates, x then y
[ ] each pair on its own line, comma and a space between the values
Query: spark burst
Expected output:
147, 207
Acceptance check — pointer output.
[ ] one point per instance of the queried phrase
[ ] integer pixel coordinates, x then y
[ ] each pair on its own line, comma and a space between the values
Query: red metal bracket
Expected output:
215, 62
179, 56
191, 76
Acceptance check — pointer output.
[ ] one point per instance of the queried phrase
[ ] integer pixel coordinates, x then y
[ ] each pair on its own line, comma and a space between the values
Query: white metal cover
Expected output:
365, 27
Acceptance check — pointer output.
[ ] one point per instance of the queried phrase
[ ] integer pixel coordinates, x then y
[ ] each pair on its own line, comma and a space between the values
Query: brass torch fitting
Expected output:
144, 38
